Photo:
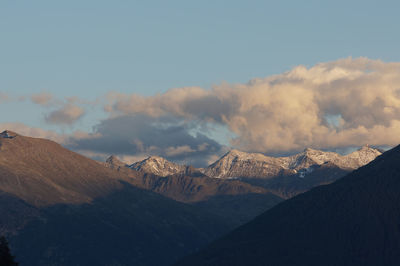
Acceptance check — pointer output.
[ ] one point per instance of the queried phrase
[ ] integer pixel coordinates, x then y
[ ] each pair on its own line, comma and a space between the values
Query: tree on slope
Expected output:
6, 259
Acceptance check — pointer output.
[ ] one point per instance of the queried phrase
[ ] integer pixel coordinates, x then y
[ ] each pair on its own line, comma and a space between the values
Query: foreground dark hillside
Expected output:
128, 227
354, 221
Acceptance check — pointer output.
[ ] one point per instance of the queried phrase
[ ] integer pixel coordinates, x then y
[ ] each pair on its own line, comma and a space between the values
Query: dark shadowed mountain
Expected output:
288, 184
127, 227
353, 221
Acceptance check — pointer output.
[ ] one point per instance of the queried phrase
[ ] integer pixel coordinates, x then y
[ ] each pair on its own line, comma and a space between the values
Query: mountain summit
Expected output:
159, 166
7, 134
114, 163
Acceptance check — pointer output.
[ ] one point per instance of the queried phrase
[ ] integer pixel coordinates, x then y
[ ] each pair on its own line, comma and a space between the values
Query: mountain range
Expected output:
256, 165
283, 176
58, 206
238, 164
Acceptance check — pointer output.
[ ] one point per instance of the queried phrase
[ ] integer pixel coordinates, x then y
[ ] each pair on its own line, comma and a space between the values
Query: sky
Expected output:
189, 80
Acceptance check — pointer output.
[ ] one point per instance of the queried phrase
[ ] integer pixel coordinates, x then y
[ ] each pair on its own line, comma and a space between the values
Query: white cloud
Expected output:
291, 110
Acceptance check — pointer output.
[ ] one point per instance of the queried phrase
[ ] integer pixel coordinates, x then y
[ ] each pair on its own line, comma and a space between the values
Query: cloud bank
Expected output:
135, 137
348, 102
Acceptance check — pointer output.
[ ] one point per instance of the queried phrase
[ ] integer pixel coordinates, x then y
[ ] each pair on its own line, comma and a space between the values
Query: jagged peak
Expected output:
241, 155
153, 159
158, 165
235, 152
156, 158
367, 147
8, 134
114, 161
314, 151
112, 158
309, 152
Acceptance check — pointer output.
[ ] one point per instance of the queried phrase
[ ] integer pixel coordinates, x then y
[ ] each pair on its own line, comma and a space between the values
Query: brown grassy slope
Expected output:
42, 172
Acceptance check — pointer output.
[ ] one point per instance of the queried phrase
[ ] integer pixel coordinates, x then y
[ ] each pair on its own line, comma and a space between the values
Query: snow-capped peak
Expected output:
241, 164
158, 166
309, 157
360, 157
237, 163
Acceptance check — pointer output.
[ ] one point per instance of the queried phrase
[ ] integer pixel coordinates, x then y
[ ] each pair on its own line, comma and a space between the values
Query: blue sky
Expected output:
90, 48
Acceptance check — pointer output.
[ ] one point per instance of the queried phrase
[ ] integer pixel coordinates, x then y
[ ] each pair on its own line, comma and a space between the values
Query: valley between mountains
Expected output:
59, 207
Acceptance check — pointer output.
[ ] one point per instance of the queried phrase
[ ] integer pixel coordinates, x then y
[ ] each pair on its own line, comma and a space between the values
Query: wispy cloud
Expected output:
42, 98
4, 97
60, 111
66, 114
